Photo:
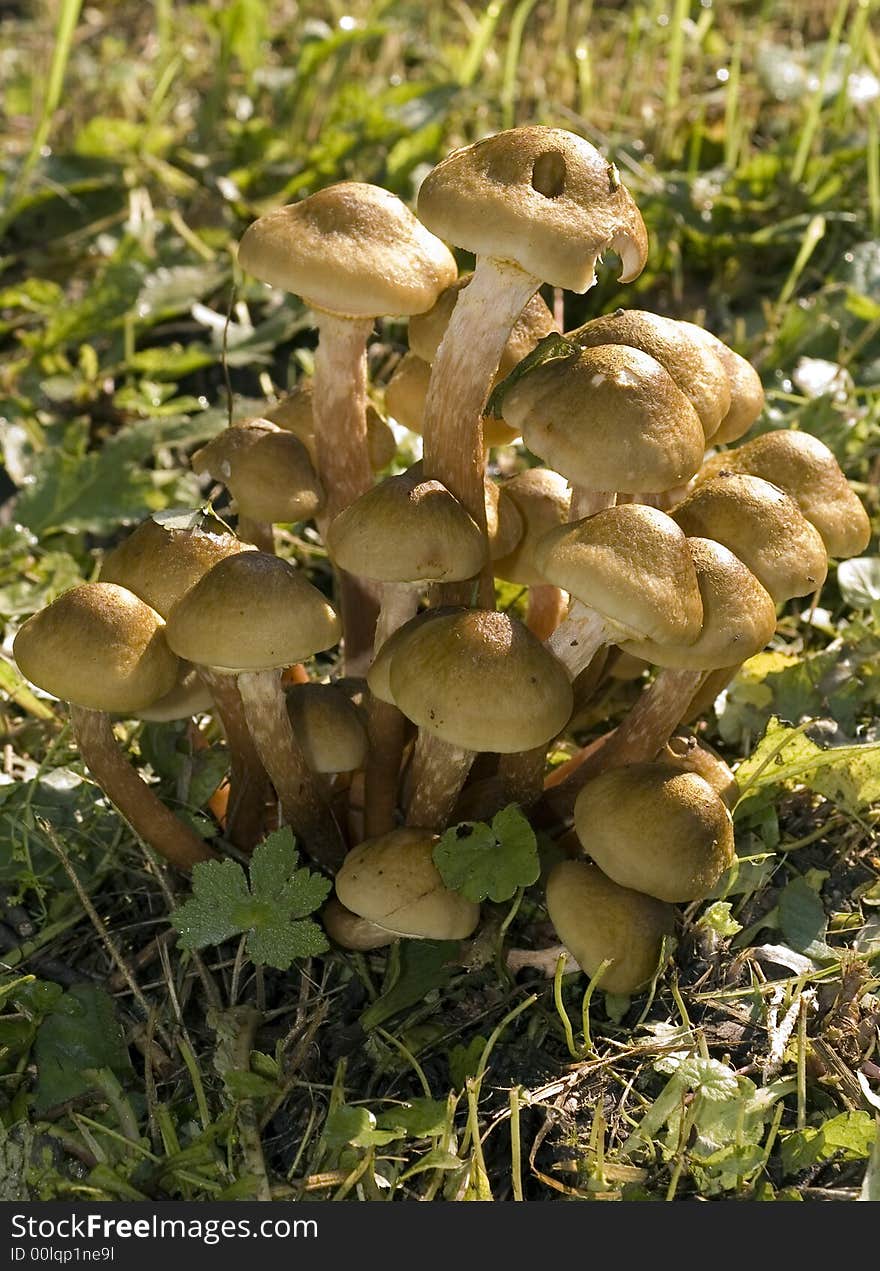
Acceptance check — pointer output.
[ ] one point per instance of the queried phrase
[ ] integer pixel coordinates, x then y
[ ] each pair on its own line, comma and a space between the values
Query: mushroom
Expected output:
352, 932
103, 650
535, 205
407, 391
746, 389
269, 474
543, 499
599, 921
295, 413
250, 617
685, 754
328, 726
189, 696
353, 252
664, 833
473, 680
392, 881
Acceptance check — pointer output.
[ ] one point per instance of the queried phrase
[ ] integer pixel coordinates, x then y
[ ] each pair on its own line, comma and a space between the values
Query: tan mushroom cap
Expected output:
611, 418
252, 612
632, 565
684, 753
98, 645
328, 726
746, 389
540, 197
739, 616
393, 882
480, 680
664, 833
295, 414
805, 469
504, 522
543, 498
696, 369
267, 471
407, 530
597, 920
352, 932
407, 391
426, 330
763, 527
189, 696
167, 554
352, 249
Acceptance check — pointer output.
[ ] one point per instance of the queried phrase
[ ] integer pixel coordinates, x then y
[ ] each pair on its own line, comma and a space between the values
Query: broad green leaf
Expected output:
847, 775
464, 1060
418, 1119
421, 965
850, 1136
489, 862
802, 919
81, 1032
279, 943
355, 1126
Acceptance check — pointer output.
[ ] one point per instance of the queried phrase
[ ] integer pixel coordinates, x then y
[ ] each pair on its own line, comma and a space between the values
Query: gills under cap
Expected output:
542, 198
99, 646
353, 249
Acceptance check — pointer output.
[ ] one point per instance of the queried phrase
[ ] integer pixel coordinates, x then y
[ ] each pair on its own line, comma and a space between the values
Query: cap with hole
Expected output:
667, 834
540, 197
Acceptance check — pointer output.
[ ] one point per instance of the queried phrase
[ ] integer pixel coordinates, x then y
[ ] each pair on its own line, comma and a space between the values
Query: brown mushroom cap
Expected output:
351, 249
393, 882
426, 330
167, 554
266, 470
696, 368
295, 414
351, 931
805, 469
504, 522
252, 612
763, 527
189, 696
664, 833
632, 565
610, 418
407, 391
543, 498
540, 197
746, 389
481, 681
328, 726
379, 674
100, 646
739, 616
597, 920
407, 530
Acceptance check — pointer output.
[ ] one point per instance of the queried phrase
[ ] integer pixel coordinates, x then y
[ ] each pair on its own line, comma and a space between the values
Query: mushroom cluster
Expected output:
642, 537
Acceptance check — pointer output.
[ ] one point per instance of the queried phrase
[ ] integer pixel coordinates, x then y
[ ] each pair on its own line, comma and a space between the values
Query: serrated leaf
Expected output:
489, 862
80, 1033
718, 918
847, 775
278, 944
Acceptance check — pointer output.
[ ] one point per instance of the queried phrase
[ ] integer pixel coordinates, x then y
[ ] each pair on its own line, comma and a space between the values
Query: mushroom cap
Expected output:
480, 680
393, 882
543, 498
407, 390
684, 753
100, 646
352, 932
696, 368
739, 616
746, 389
189, 696
504, 523
252, 612
295, 414
352, 249
805, 469
664, 833
763, 527
426, 330
540, 197
167, 554
267, 471
379, 674
609, 418
407, 530
328, 726
632, 565
597, 920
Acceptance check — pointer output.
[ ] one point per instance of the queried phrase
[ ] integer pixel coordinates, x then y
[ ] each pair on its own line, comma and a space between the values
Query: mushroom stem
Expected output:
386, 725
260, 533
713, 684
586, 502
129, 793
461, 377
439, 772
578, 638
522, 776
302, 802
343, 458
546, 609
248, 783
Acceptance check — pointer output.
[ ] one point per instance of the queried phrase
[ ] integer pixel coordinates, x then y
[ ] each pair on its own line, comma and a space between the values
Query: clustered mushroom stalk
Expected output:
248, 782
439, 771
386, 726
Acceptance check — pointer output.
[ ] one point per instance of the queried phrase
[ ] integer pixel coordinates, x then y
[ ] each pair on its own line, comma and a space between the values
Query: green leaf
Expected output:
801, 917
418, 1119
465, 1060
81, 1033
355, 1126
552, 348
847, 775
850, 1136
272, 911
489, 862
718, 918
420, 966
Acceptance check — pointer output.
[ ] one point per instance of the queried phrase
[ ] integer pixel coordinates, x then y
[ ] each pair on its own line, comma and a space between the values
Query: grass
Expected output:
139, 141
